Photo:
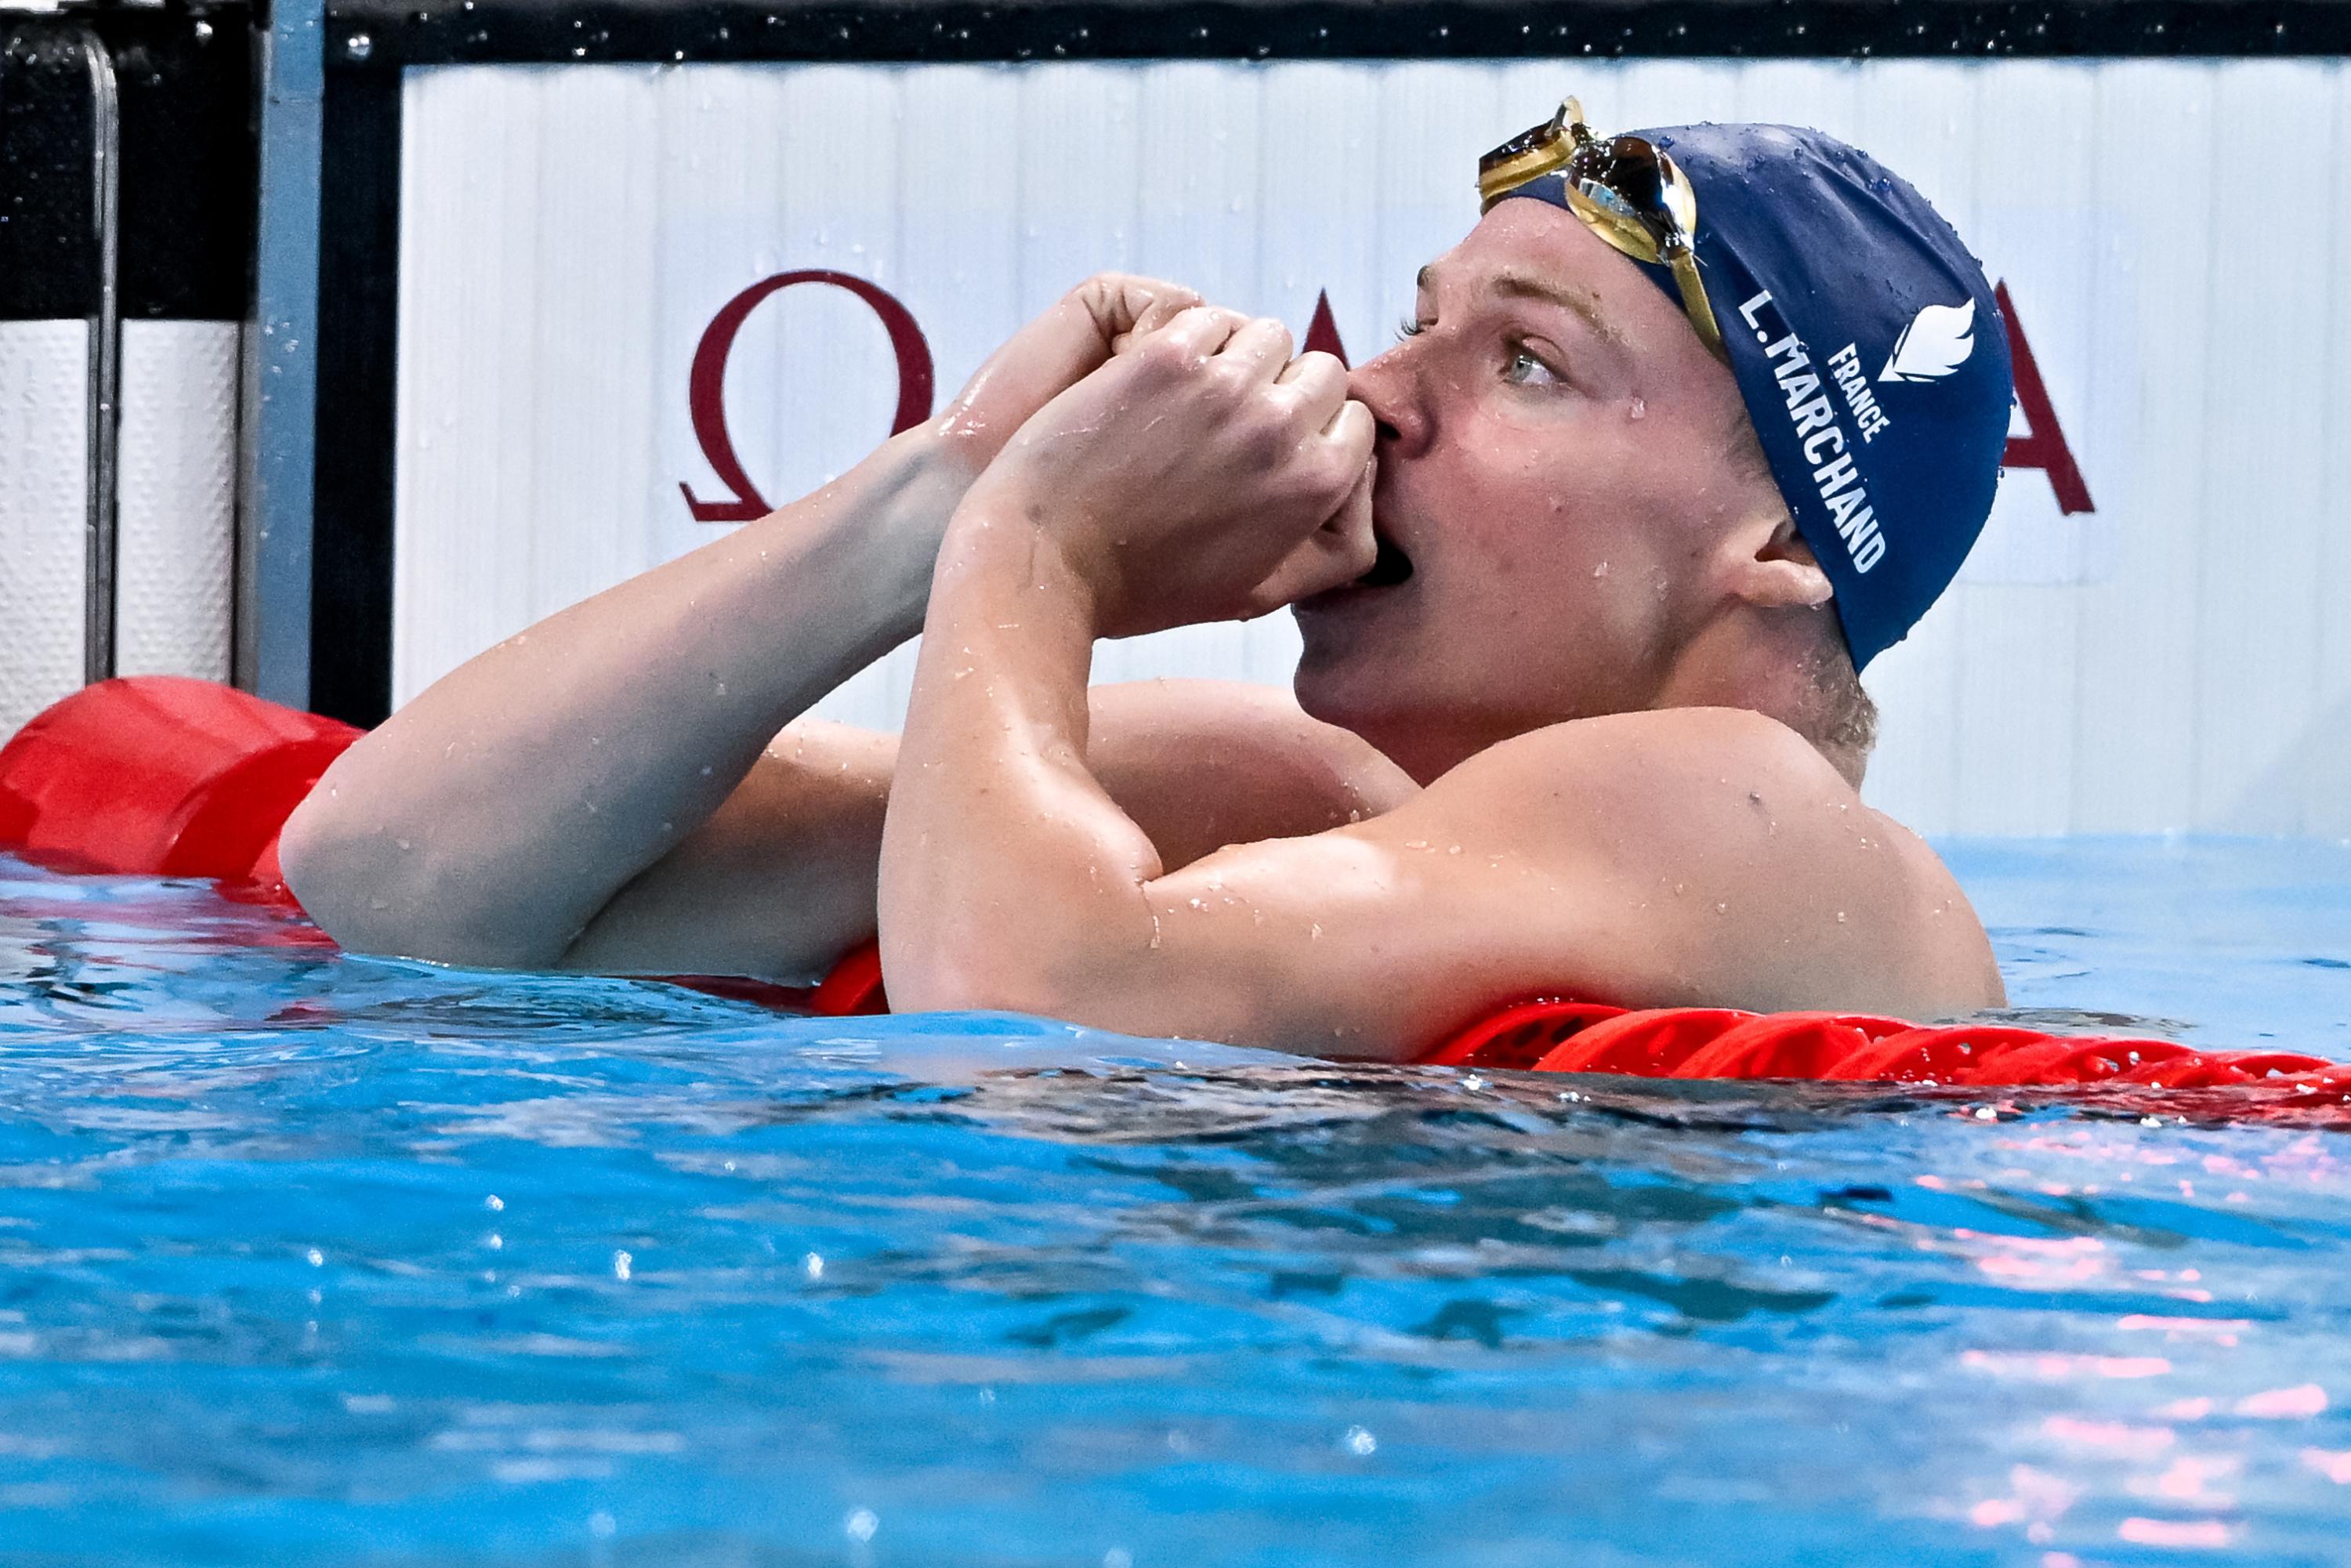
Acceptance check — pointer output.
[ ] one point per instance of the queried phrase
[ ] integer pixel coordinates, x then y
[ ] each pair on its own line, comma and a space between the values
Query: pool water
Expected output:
315, 1260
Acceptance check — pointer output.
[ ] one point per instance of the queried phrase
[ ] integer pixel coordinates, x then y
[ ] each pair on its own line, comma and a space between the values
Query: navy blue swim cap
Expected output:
1869, 352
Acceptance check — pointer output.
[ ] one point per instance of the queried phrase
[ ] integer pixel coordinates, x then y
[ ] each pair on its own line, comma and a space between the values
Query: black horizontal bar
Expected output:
389, 34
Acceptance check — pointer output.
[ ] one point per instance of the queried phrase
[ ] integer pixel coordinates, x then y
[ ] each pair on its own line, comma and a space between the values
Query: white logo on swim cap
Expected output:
1937, 342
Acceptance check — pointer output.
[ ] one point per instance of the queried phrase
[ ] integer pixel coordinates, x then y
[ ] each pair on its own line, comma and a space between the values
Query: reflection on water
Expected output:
312, 1260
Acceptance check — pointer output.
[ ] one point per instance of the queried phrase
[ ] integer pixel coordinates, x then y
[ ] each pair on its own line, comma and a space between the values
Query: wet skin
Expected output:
1554, 467
1577, 665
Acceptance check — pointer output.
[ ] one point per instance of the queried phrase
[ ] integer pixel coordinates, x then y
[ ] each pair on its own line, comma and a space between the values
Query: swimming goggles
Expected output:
1624, 189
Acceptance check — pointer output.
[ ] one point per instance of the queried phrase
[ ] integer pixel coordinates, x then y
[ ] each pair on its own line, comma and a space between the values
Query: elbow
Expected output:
928, 981
1092, 984
314, 856
374, 893
1010, 964
337, 875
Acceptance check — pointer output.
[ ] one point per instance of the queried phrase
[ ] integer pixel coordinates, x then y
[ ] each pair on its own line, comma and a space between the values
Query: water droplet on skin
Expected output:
403, 844
1637, 409
1840, 917
1314, 933
1600, 570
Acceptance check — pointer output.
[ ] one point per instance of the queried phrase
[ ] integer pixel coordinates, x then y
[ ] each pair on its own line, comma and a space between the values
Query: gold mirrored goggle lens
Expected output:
1626, 191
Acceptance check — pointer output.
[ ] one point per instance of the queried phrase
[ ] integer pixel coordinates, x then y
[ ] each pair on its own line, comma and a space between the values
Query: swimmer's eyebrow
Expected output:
1524, 286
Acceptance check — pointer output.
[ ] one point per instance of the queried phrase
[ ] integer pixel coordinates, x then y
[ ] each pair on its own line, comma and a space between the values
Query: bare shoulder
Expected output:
1738, 865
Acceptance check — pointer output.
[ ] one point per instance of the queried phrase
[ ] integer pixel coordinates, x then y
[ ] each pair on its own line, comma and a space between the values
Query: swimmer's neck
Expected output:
1768, 662
1762, 661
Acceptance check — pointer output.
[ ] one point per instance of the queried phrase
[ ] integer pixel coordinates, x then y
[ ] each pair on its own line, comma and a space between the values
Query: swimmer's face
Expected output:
1556, 469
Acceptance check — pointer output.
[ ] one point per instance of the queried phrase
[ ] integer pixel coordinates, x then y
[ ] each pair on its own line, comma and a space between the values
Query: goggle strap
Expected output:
1695, 305
1521, 168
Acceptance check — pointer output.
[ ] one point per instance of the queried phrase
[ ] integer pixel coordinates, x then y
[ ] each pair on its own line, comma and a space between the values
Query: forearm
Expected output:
493, 817
1008, 875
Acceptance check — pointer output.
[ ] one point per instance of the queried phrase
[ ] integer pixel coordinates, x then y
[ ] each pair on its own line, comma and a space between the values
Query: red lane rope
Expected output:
1724, 1043
166, 776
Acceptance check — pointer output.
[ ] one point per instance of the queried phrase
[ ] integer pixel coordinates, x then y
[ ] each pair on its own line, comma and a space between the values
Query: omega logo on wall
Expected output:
2040, 445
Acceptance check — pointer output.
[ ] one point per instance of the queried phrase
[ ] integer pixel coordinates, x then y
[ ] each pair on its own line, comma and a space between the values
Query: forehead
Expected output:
1528, 241
1525, 242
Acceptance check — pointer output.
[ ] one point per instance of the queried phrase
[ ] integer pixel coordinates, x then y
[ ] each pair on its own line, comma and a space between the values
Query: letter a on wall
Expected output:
2043, 444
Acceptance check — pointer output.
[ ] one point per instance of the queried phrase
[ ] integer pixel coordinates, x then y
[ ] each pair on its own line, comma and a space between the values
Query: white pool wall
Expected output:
2178, 658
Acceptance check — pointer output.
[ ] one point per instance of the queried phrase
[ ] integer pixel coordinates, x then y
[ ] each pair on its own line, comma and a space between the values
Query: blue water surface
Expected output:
307, 1259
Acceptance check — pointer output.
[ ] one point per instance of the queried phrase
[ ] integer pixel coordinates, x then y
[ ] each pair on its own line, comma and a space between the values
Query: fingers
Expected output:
1123, 304
1334, 555
1350, 435
1260, 343
1316, 384
1190, 334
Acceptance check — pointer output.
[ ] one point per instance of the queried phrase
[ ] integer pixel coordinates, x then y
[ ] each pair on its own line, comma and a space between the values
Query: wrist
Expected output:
998, 537
912, 485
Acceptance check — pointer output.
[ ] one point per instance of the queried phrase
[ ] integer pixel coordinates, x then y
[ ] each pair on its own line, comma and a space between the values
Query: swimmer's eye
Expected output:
1526, 368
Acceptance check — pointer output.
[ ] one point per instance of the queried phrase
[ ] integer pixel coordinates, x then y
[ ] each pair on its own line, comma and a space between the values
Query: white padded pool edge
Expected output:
44, 512
176, 501
176, 497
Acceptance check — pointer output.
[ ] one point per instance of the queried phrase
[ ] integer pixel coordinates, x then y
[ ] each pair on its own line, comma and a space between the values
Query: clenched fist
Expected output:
1200, 474
1082, 329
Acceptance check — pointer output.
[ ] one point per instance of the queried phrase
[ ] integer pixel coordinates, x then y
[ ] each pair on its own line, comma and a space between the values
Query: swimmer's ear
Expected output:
1772, 567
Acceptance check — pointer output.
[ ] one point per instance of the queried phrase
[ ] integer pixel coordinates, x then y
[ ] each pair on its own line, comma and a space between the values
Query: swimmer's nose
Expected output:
1392, 391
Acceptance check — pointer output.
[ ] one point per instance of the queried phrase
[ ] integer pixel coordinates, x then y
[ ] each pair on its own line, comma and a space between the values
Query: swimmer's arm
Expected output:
1011, 879
494, 818
1704, 857
1008, 877
489, 821
782, 878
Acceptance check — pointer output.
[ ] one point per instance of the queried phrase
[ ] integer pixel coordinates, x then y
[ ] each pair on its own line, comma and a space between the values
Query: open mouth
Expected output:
1389, 568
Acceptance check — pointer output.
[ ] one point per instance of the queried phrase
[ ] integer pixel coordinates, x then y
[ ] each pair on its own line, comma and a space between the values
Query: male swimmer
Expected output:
1585, 567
